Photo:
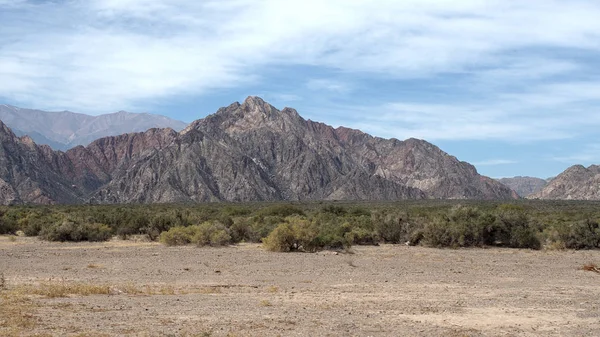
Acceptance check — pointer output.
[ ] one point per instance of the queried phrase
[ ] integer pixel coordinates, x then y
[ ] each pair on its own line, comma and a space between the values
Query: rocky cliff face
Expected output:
524, 186
251, 152
27, 175
64, 130
575, 183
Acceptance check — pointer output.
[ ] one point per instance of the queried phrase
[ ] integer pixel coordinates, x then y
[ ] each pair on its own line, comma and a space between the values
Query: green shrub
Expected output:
211, 233
462, 226
296, 235
393, 227
8, 225
335, 210
135, 224
72, 231
157, 225
513, 228
262, 226
281, 239
582, 235
178, 236
361, 236
281, 211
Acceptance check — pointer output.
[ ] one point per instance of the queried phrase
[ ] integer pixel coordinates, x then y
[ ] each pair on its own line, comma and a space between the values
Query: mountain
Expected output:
28, 172
524, 186
575, 183
64, 130
254, 152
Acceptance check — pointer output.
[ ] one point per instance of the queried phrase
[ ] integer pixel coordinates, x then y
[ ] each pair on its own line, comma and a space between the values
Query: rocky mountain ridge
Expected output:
247, 151
525, 186
575, 183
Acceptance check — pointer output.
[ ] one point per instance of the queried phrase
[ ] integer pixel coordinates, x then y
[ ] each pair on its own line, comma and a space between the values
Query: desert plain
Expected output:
137, 288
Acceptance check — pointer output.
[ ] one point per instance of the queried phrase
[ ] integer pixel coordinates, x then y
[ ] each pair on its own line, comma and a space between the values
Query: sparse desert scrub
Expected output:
16, 313
178, 236
205, 234
64, 289
437, 223
296, 234
211, 234
76, 231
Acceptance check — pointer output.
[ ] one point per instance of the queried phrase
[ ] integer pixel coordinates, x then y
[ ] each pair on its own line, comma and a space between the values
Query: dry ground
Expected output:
146, 289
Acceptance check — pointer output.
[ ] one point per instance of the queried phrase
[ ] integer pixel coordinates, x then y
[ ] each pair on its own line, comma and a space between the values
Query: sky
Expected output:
510, 86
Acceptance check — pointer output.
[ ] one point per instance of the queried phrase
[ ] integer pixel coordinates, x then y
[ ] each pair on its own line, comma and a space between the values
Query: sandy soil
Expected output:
390, 290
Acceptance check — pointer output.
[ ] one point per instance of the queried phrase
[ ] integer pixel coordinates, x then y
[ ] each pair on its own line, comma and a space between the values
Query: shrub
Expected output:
393, 227
296, 235
281, 239
178, 236
362, 236
72, 231
8, 225
335, 210
582, 235
135, 224
513, 228
462, 226
207, 233
211, 233
262, 226
281, 211
157, 225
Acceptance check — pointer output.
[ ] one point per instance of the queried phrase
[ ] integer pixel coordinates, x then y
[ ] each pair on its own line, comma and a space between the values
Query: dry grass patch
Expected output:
591, 267
64, 289
16, 313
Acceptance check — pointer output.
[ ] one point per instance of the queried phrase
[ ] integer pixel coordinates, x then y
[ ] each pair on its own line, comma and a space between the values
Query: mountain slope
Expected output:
524, 186
27, 174
64, 130
575, 183
252, 151
244, 152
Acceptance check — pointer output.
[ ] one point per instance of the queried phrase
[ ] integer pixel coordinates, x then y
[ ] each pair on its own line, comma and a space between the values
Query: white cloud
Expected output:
494, 162
105, 55
329, 85
586, 154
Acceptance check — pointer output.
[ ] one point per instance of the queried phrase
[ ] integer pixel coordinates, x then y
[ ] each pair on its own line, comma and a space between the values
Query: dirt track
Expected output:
388, 290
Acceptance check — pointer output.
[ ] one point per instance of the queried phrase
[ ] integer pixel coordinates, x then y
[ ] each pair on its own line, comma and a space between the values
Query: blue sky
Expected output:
510, 86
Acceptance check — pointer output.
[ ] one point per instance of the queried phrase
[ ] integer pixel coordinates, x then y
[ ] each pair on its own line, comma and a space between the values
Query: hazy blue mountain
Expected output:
64, 130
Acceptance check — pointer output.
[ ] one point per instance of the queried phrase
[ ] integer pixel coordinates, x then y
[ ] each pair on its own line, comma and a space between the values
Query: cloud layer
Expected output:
440, 70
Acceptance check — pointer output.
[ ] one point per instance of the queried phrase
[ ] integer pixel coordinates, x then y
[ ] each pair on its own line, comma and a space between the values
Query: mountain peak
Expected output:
255, 105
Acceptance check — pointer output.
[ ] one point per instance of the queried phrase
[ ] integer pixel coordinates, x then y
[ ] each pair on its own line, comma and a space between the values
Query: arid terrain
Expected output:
146, 289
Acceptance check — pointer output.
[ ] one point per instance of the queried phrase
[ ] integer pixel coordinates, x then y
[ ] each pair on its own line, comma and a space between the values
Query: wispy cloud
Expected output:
329, 85
99, 55
493, 162
586, 154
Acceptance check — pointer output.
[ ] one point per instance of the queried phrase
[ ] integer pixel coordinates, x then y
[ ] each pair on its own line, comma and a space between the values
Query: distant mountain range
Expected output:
525, 186
244, 152
64, 130
575, 183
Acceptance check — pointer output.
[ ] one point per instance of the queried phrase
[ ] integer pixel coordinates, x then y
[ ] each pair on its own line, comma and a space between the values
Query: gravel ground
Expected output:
389, 290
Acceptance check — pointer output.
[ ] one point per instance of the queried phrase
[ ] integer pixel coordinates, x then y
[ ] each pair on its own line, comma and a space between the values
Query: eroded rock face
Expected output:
27, 175
245, 152
575, 183
524, 186
252, 151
